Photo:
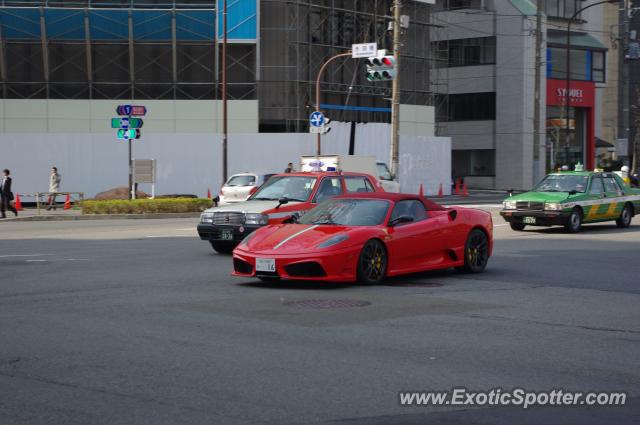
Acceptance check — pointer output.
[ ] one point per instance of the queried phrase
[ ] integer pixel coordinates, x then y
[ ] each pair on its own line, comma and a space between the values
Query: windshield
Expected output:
348, 212
295, 188
383, 171
563, 183
241, 181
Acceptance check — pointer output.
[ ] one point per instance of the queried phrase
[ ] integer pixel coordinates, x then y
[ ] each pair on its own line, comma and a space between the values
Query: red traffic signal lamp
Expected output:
381, 68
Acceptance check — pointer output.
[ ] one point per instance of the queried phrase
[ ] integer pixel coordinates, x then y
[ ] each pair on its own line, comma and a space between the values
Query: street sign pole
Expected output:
129, 129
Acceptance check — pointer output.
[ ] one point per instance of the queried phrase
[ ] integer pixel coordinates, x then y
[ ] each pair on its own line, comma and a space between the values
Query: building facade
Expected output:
488, 65
66, 65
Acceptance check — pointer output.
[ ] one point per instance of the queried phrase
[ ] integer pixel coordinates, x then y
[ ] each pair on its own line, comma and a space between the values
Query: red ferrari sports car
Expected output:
366, 237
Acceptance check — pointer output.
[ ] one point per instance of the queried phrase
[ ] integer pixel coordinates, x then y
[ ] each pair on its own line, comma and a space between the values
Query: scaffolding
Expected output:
297, 36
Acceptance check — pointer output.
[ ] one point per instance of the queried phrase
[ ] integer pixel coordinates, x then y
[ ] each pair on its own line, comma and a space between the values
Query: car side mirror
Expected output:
401, 220
453, 214
282, 201
216, 200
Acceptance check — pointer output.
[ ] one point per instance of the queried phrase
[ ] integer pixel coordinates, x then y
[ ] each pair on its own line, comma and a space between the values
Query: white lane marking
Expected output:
171, 236
23, 255
36, 261
76, 259
295, 235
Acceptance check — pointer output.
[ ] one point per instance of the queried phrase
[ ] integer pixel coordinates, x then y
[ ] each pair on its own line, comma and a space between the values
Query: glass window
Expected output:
474, 162
471, 51
610, 185
563, 183
596, 186
329, 187
348, 212
383, 171
598, 66
296, 188
242, 180
471, 107
412, 208
358, 184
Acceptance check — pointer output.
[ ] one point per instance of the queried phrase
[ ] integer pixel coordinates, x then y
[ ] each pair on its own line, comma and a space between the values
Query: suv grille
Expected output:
529, 206
230, 218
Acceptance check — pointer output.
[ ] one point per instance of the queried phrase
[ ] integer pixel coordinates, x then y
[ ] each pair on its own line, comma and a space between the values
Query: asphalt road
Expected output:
138, 322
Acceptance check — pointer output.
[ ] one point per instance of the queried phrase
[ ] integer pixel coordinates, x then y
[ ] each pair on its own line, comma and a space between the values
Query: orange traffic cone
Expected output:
208, 193
18, 203
457, 190
421, 191
440, 191
465, 192
67, 202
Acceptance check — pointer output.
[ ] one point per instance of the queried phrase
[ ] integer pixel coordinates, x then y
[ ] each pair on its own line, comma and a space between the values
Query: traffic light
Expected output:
381, 68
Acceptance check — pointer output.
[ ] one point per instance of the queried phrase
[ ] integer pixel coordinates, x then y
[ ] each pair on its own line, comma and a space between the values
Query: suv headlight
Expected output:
206, 217
259, 219
553, 206
509, 205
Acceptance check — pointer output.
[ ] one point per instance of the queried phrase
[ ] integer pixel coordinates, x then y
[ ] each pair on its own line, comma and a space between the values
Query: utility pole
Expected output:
224, 93
537, 154
624, 87
395, 95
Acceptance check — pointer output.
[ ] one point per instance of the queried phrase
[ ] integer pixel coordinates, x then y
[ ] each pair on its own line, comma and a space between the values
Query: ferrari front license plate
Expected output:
226, 234
529, 220
265, 265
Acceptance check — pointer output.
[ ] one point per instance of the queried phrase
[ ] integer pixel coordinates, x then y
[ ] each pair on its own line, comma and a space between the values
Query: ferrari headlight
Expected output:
247, 238
259, 219
509, 205
333, 241
553, 206
206, 217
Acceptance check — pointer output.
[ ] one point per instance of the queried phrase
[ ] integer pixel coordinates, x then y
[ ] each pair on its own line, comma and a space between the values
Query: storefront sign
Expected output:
581, 94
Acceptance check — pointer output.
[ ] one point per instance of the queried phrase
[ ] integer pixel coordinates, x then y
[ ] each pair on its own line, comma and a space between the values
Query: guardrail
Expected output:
45, 195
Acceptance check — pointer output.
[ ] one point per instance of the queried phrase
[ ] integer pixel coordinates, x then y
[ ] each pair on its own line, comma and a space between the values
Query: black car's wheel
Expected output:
574, 224
222, 247
476, 252
372, 264
519, 227
625, 217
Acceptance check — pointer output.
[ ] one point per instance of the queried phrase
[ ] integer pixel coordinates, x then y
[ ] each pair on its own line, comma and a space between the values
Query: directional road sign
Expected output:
126, 122
128, 134
132, 110
316, 119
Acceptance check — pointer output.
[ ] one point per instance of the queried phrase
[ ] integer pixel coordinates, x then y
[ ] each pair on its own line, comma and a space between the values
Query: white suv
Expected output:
240, 186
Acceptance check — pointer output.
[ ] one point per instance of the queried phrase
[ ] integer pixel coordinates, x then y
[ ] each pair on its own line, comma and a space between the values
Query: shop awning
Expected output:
579, 40
603, 143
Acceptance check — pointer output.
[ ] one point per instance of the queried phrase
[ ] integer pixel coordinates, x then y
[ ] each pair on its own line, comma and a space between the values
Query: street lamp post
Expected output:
322, 68
567, 98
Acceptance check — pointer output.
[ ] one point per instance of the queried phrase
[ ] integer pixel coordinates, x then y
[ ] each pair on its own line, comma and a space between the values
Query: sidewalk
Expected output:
31, 214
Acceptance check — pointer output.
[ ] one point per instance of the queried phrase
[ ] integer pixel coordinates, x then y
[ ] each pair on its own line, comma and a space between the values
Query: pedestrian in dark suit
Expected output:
6, 195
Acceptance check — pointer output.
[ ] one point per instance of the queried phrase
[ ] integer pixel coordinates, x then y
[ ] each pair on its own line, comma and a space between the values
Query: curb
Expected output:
104, 217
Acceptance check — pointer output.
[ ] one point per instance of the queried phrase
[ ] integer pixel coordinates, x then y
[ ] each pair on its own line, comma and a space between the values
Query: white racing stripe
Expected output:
295, 235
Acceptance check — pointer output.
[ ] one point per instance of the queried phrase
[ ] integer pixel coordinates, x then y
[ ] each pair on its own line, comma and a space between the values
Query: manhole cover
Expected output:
419, 284
327, 304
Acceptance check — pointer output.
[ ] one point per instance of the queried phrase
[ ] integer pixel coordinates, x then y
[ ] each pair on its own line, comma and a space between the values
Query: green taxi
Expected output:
572, 198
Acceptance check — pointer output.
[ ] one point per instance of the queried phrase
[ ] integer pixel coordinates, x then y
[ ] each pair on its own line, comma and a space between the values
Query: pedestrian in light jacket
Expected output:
6, 195
54, 187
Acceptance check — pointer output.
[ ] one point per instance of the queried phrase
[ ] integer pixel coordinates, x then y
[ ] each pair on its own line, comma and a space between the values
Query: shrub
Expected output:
146, 206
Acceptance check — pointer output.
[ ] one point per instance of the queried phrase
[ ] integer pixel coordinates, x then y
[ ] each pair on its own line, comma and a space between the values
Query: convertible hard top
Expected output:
394, 197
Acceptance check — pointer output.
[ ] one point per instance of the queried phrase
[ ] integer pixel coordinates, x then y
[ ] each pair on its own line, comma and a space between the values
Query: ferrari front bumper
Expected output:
331, 266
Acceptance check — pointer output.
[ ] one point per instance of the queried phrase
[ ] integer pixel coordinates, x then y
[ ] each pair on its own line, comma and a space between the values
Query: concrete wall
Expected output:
190, 163
93, 116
